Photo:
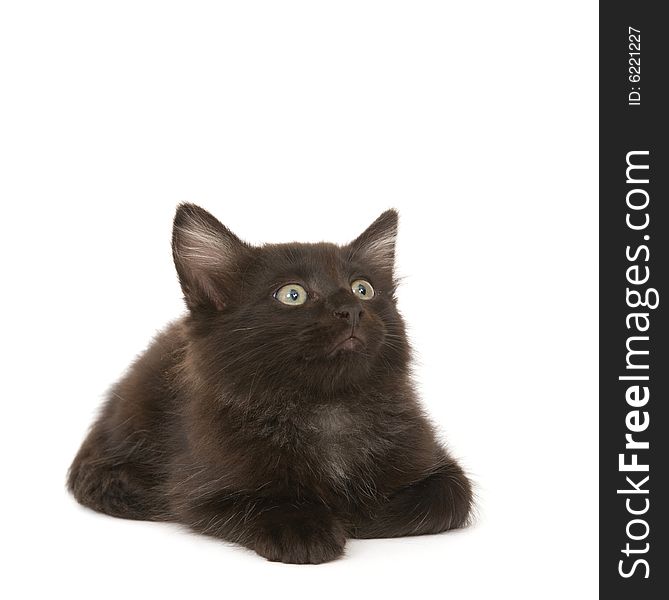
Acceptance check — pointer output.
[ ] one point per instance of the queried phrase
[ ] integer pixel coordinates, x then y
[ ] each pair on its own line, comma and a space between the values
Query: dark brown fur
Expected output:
242, 422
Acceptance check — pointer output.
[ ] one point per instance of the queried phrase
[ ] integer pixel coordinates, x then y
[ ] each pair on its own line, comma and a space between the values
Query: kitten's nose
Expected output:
351, 312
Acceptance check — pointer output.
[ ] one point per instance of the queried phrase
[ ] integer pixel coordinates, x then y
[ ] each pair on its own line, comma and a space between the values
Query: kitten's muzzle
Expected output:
351, 340
352, 313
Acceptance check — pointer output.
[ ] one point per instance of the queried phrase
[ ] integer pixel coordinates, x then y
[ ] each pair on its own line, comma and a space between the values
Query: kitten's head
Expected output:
289, 315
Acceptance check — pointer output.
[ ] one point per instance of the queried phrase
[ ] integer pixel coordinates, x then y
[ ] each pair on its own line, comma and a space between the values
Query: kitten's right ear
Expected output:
206, 255
376, 245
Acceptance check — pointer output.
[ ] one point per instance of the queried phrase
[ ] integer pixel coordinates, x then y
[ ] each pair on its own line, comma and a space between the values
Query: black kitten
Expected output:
279, 413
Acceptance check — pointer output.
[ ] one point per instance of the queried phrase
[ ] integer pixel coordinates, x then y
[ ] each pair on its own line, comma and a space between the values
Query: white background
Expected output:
303, 121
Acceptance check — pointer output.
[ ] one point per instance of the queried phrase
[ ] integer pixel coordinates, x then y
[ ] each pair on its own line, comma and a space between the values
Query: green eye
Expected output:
362, 289
292, 294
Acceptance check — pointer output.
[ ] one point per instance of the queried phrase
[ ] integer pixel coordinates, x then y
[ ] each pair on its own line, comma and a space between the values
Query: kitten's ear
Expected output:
206, 255
376, 245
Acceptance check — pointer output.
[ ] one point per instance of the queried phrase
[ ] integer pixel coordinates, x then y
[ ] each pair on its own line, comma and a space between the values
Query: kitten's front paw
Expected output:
301, 538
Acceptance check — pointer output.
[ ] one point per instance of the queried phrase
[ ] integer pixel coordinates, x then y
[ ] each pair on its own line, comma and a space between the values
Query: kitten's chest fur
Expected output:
331, 435
331, 442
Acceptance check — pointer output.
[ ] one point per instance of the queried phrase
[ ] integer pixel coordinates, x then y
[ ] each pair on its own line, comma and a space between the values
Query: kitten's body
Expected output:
252, 422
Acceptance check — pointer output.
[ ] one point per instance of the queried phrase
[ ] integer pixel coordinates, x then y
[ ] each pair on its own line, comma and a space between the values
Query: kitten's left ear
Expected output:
376, 245
207, 256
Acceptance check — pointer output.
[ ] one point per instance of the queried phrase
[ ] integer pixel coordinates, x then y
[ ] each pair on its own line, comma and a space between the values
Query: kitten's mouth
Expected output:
350, 342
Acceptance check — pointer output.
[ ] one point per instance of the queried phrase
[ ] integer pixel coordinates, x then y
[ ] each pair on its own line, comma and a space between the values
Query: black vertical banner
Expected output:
634, 300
